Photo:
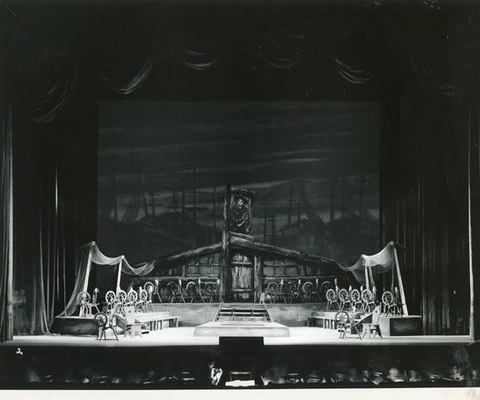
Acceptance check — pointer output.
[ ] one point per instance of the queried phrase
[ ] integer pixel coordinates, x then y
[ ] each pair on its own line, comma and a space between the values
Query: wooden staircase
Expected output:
242, 319
242, 312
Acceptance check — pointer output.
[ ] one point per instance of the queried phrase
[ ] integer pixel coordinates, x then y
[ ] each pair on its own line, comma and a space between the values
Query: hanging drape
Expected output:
200, 51
81, 266
351, 72
136, 82
284, 42
6, 226
435, 77
52, 236
88, 254
424, 212
354, 56
281, 49
53, 103
53, 182
369, 267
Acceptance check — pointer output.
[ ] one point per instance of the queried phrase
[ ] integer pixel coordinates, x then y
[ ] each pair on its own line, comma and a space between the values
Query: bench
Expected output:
156, 321
322, 321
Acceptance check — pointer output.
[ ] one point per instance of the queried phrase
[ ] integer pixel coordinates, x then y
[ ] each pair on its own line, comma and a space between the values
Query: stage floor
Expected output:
184, 336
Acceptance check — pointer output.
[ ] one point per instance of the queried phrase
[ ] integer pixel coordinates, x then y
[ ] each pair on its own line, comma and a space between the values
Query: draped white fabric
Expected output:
83, 256
89, 254
368, 267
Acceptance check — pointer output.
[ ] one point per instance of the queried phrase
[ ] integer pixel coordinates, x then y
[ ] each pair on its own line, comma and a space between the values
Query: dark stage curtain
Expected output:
54, 171
425, 207
6, 226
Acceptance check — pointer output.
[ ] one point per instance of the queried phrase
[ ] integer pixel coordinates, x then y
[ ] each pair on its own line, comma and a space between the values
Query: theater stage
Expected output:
184, 336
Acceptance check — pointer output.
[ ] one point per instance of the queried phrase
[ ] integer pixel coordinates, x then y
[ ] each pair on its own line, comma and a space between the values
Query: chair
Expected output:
374, 325
132, 327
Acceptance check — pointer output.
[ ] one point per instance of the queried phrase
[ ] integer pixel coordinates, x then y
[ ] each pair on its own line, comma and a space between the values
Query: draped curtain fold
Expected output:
435, 78
53, 103
281, 49
136, 82
351, 71
283, 42
352, 55
200, 51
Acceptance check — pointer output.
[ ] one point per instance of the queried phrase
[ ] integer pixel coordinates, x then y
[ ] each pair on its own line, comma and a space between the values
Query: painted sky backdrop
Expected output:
154, 149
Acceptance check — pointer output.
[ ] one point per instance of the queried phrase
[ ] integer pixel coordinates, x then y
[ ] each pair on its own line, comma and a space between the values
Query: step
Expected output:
243, 319
243, 312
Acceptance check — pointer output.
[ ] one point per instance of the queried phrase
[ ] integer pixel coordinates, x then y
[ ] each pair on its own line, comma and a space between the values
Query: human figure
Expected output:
215, 373
414, 376
353, 376
240, 221
378, 378
367, 375
456, 373
394, 375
